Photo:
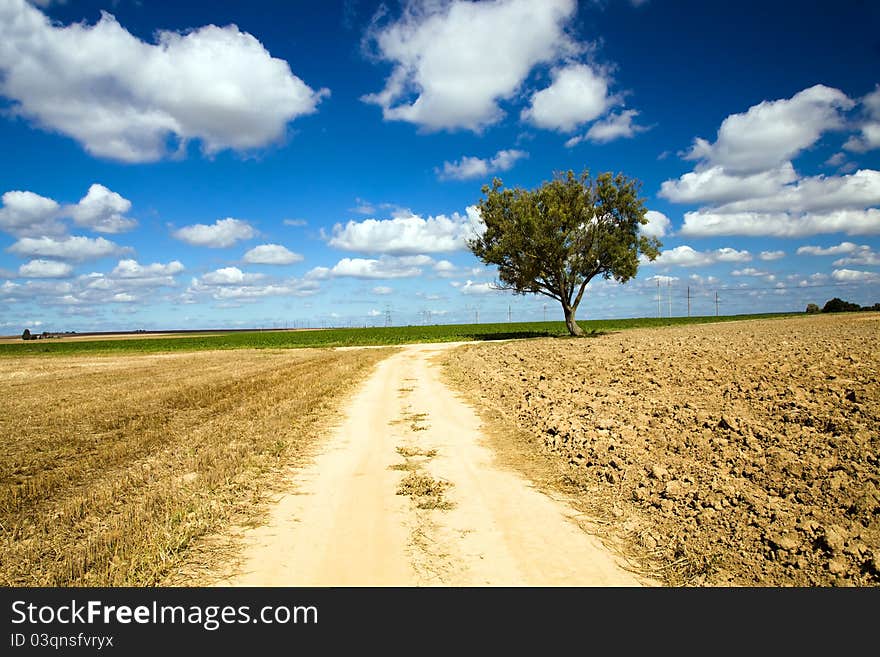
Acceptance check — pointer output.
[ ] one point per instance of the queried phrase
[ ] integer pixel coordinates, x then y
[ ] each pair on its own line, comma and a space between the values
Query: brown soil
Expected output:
745, 453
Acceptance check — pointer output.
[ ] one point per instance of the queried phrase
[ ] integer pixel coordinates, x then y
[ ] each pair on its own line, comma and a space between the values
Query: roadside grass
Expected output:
348, 337
113, 468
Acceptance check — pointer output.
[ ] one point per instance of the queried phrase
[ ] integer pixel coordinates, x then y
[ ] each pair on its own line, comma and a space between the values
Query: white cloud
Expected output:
122, 98
578, 94
685, 256
454, 61
658, 224
855, 254
68, 248
45, 269
748, 271
616, 126
296, 223
409, 234
773, 132
469, 167
843, 247
25, 214
444, 268
836, 160
772, 255
372, 268
817, 194
863, 256
230, 276
869, 138
854, 276
133, 269
232, 284
469, 287
715, 185
222, 233
374, 313
271, 254
382, 289
706, 223
102, 211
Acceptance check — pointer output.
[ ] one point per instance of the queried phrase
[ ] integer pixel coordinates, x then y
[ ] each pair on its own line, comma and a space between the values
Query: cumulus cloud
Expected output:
839, 249
271, 254
715, 185
296, 223
615, 126
408, 234
124, 99
855, 254
854, 276
773, 132
748, 271
221, 234
578, 94
25, 214
707, 223
469, 287
133, 269
232, 284
454, 61
75, 248
869, 137
382, 290
752, 187
45, 269
772, 255
230, 276
686, 256
658, 224
373, 268
102, 211
469, 167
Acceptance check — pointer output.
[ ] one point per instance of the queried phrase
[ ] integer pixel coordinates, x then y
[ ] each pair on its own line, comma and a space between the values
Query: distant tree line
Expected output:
27, 335
837, 305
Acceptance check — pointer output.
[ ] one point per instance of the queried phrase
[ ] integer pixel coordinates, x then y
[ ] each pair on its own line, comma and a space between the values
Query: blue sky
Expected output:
227, 164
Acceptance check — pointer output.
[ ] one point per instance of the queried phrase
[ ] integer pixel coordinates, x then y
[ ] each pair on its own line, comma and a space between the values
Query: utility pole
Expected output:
659, 310
545, 312
508, 312
669, 294
476, 315
716, 303
689, 300
387, 316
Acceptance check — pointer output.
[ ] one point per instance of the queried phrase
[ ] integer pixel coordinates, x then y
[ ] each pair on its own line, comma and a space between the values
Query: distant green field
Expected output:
344, 337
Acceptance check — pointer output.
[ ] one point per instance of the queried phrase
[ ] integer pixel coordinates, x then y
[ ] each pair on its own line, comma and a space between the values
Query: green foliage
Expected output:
837, 305
26, 335
391, 336
555, 239
812, 308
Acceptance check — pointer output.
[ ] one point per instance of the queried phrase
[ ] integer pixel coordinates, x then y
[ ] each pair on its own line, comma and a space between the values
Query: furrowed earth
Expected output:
745, 453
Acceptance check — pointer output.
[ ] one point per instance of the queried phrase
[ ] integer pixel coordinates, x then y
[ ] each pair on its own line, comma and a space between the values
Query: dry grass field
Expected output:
745, 453
112, 467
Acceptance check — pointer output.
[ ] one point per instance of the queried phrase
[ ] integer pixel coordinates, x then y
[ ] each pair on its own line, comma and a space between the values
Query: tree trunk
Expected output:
570, 322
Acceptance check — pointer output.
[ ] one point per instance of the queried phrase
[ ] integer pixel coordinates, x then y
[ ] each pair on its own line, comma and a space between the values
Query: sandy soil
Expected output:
742, 453
405, 493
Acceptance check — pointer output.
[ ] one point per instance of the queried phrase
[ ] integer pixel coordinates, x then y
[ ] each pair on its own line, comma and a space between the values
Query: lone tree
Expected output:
555, 239
26, 334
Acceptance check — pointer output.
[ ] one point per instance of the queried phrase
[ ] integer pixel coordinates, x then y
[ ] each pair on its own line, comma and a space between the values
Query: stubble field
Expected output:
113, 468
745, 453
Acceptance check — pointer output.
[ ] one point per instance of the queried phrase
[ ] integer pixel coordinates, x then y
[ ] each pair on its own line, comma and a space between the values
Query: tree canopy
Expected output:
555, 239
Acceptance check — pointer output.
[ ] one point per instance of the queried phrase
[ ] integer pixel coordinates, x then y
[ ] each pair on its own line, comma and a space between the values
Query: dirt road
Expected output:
404, 493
